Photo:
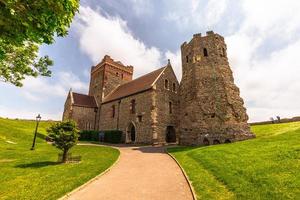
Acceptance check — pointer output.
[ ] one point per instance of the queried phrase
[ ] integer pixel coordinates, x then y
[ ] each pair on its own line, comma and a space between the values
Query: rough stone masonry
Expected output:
211, 109
205, 108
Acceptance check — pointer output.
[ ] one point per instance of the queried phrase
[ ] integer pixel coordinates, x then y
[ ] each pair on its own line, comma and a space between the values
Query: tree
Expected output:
25, 25
278, 119
272, 120
64, 136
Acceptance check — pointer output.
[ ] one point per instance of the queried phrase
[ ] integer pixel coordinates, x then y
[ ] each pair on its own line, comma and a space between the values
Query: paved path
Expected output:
142, 173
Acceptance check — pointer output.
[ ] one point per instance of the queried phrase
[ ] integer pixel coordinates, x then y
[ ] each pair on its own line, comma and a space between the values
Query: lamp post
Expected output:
38, 119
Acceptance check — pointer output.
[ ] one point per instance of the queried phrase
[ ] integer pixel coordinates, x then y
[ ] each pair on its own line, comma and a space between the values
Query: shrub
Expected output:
110, 136
113, 136
64, 136
89, 135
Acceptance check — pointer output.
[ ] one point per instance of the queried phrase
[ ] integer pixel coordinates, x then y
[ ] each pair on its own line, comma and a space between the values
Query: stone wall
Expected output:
84, 117
96, 84
143, 108
211, 107
161, 112
67, 114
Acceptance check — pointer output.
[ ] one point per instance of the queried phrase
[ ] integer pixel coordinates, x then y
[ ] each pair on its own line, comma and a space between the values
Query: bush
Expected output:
109, 136
89, 135
64, 136
113, 136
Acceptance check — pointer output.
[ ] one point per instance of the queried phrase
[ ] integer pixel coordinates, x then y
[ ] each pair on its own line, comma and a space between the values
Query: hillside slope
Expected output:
267, 167
26, 174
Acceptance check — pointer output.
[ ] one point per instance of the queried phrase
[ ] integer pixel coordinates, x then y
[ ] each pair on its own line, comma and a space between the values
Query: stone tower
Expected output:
212, 110
106, 76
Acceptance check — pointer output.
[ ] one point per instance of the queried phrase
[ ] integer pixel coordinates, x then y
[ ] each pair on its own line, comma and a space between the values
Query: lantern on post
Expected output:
38, 119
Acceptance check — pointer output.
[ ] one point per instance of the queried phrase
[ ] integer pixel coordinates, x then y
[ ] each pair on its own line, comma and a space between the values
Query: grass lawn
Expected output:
267, 167
26, 174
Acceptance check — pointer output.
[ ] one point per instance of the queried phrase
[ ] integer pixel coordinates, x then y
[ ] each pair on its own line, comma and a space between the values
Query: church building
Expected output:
205, 108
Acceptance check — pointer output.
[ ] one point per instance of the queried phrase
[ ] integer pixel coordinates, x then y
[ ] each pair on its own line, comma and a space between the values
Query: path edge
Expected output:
184, 174
66, 196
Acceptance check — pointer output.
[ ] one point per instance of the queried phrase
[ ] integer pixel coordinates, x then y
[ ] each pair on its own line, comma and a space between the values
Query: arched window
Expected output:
113, 111
166, 84
132, 106
205, 53
174, 87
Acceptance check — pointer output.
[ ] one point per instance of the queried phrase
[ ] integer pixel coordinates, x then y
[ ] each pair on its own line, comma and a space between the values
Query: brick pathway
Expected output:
142, 173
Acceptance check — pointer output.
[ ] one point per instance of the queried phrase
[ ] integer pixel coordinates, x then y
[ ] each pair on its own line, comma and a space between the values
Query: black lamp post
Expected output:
38, 119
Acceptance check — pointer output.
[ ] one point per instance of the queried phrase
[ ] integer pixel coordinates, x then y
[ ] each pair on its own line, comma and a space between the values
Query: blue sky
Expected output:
263, 39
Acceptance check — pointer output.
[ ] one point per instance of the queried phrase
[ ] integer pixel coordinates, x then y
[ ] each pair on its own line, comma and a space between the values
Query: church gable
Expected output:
138, 85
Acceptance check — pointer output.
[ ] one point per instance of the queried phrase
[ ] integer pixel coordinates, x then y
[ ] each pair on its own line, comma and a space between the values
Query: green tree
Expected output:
24, 25
64, 136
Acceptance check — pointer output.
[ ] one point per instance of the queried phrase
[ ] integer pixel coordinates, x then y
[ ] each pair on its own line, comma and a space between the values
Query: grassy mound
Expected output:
267, 167
27, 174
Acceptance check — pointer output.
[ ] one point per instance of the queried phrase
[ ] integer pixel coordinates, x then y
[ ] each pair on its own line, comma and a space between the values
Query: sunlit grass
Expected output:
26, 174
267, 167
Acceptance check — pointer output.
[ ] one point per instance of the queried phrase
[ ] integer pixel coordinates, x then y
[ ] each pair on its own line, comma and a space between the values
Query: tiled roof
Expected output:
84, 100
135, 86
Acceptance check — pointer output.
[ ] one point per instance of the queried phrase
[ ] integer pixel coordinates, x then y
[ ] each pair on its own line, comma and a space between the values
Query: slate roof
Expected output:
84, 100
140, 84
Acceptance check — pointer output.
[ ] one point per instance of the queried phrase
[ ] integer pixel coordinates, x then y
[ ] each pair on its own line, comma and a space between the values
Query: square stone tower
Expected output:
211, 109
107, 76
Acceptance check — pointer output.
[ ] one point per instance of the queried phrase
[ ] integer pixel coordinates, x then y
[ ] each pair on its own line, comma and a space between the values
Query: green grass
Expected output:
267, 167
26, 174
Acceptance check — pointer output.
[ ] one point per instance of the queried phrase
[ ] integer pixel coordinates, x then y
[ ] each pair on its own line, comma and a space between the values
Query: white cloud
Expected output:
141, 7
214, 11
38, 89
194, 13
268, 78
100, 35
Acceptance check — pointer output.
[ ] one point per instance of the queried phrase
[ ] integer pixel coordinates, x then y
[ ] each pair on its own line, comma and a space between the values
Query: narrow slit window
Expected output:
205, 53
140, 118
187, 59
113, 111
132, 106
174, 87
170, 108
224, 52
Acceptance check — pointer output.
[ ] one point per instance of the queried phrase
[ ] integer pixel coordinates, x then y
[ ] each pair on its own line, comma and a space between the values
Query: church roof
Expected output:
140, 84
84, 100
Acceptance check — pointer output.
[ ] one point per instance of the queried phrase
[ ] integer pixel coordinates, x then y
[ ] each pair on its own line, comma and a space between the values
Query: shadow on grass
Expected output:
38, 164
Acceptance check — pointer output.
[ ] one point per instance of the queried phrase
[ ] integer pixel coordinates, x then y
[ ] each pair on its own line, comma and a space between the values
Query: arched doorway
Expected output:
216, 142
131, 132
170, 134
206, 142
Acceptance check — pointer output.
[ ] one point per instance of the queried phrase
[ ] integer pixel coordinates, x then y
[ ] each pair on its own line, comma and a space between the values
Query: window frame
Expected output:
133, 106
166, 84
170, 107
174, 87
205, 52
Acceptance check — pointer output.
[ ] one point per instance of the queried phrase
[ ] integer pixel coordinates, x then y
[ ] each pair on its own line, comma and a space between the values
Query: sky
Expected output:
262, 37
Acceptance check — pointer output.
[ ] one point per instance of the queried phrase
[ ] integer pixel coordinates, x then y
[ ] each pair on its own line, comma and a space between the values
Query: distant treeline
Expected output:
284, 120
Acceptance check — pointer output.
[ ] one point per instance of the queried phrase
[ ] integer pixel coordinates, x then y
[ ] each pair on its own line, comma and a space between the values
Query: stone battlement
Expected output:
108, 60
